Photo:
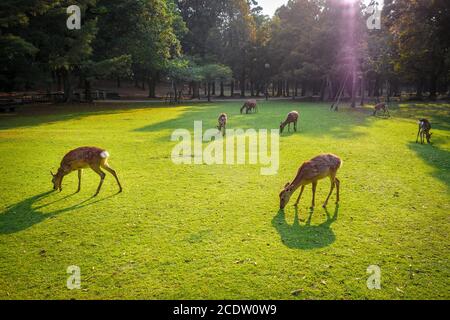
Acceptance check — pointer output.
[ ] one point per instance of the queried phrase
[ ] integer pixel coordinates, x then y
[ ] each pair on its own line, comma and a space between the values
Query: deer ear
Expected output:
286, 185
52, 173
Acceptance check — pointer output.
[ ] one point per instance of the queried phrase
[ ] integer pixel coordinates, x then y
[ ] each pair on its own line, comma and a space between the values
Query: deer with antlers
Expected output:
80, 158
381, 107
223, 118
320, 167
424, 131
292, 117
249, 105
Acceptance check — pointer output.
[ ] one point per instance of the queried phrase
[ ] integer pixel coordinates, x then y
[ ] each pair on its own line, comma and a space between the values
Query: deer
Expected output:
381, 106
249, 105
310, 172
292, 117
80, 158
424, 131
223, 118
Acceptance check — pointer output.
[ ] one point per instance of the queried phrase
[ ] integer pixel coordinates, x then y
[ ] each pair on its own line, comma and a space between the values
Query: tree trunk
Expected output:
353, 93
232, 88
59, 80
195, 90
280, 88
242, 83
376, 87
323, 88
209, 91
363, 89
419, 92
151, 87
433, 87
222, 91
87, 90
68, 93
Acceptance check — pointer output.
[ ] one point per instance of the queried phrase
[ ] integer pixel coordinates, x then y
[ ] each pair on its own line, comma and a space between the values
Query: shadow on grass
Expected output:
307, 236
35, 115
437, 113
315, 119
25, 214
437, 158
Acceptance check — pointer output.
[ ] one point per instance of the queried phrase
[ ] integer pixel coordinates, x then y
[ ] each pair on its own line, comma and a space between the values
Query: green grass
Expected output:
215, 232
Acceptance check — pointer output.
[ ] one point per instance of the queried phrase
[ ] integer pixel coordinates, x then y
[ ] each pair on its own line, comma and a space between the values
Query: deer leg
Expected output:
295, 126
102, 177
289, 127
333, 181
337, 182
299, 196
418, 133
314, 186
79, 180
113, 172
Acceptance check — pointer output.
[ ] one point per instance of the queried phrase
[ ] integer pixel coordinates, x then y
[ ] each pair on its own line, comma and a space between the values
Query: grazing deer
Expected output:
222, 122
379, 107
320, 167
249, 105
81, 158
292, 117
424, 131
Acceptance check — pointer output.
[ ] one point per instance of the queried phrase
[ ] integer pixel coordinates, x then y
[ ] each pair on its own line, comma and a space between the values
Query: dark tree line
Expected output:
309, 47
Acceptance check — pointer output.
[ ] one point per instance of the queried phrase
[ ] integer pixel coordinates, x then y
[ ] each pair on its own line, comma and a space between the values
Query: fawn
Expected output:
222, 122
81, 158
249, 105
424, 131
320, 167
381, 106
292, 117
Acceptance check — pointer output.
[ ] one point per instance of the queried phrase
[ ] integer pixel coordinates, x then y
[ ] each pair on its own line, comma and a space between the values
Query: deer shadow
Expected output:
307, 236
26, 214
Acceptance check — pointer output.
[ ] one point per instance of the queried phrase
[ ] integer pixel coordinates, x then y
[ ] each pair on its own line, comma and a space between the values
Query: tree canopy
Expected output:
309, 44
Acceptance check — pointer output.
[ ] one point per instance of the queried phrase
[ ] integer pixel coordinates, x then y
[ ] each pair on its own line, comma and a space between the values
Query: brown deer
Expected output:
320, 167
222, 122
292, 117
381, 107
249, 105
424, 131
80, 158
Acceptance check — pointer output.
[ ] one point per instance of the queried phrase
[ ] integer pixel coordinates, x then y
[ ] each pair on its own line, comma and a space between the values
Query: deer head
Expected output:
281, 127
285, 195
57, 180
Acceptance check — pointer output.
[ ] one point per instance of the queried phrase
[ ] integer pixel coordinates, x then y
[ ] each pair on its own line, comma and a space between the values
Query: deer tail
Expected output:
104, 154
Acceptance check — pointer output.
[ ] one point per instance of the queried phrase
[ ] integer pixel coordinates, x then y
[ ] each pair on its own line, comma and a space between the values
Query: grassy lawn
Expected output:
215, 232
